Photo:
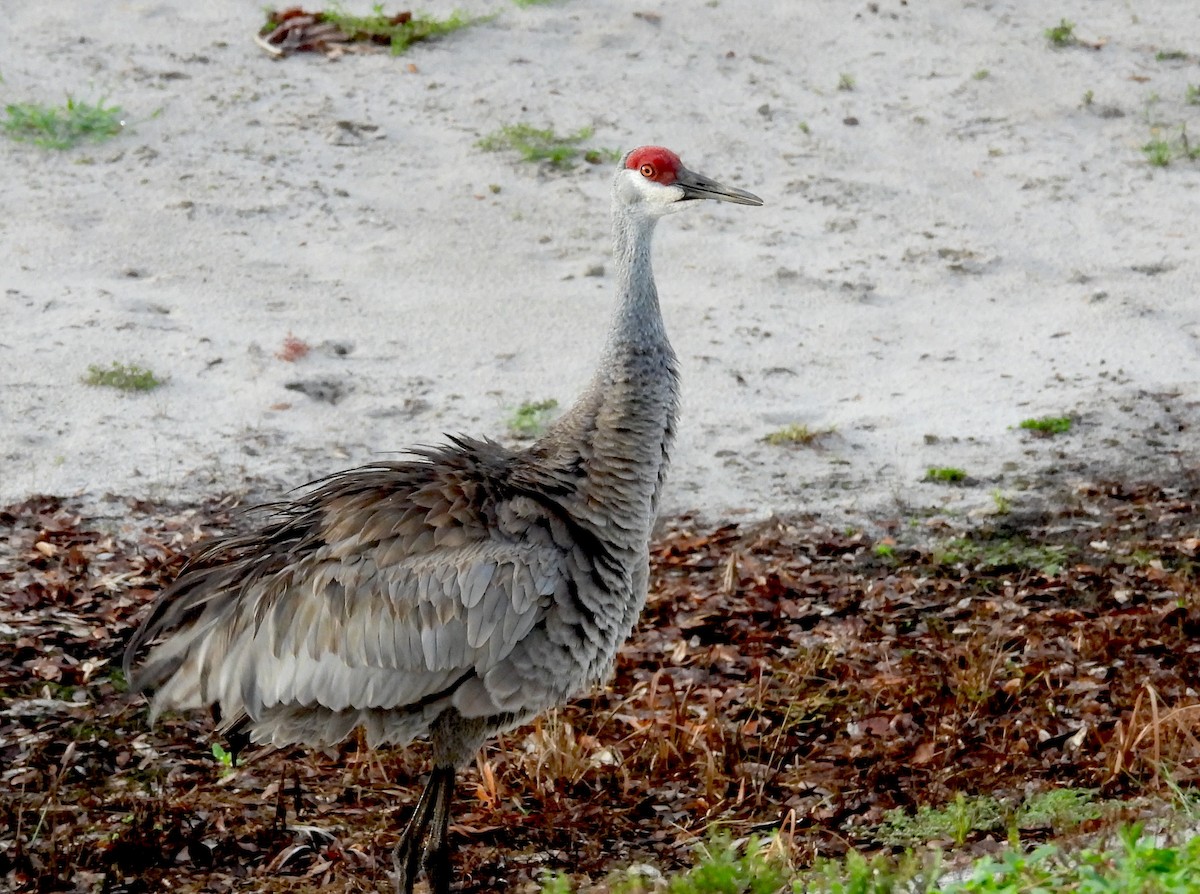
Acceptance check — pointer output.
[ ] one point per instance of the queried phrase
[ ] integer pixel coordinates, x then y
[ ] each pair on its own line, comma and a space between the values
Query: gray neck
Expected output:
622, 426
638, 320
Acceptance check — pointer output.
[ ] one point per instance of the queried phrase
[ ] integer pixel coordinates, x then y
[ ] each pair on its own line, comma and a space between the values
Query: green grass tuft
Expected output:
399, 31
1192, 95
61, 127
955, 822
123, 377
1161, 151
1062, 34
723, 870
535, 145
797, 434
1158, 153
1047, 425
1002, 553
877, 874
846, 81
1060, 809
530, 419
945, 475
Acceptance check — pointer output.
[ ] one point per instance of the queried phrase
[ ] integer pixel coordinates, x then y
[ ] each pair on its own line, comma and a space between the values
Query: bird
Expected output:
455, 593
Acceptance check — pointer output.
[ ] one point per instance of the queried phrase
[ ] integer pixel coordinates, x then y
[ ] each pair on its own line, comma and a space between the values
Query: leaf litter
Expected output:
785, 674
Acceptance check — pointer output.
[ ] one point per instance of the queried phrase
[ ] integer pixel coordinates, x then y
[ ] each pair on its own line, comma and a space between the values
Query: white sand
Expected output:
976, 251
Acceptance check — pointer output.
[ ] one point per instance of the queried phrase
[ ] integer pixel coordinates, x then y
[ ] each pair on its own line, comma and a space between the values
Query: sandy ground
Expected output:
959, 242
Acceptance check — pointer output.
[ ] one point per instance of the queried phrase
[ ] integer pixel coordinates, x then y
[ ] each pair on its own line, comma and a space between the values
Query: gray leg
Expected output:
424, 839
437, 845
406, 856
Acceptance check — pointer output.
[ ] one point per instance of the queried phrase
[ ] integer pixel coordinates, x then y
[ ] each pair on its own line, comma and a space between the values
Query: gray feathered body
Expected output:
455, 594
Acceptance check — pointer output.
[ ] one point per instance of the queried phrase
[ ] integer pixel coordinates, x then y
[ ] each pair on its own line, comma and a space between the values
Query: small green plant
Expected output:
123, 377
1171, 56
723, 870
535, 144
1059, 809
955, 822
530, 419
797, 434
1192, 95
845, 81
1002, 504
804, 128
1062, 34
981, 75
1002, 553
557, 883
61, 127
223, 758
878, 874
884, 550
1137, 864
945, 475
1158, 153
1161, 151
1047, 426
399, 32
1089, 97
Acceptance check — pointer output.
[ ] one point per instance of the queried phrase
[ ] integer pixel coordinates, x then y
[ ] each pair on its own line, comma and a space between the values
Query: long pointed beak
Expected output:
697, 186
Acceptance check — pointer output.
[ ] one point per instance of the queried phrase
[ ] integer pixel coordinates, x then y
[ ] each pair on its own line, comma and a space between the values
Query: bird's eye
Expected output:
647, 170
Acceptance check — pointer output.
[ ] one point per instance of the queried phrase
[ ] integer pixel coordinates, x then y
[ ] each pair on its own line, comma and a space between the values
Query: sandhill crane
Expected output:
457, 594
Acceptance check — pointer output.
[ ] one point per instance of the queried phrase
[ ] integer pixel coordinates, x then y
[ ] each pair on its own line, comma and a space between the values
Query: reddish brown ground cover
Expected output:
784, 675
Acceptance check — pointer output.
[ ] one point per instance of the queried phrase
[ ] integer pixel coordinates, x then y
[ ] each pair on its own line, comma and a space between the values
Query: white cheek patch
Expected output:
665, 195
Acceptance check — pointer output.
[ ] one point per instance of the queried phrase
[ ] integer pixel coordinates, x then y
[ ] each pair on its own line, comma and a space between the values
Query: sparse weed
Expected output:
1171, 56
398, 31
1192, 95
1133, 864
1002, 504
123, 377
535, 145
1158, 153
757, 869
556, 883
846, 81
945, 475
1161, 151
223, 757
1047, 426
878, 874
61, 127
1059, 809
981, 75
1062, 34
955, 822
530, 419
1089, 97
1001, 553
798, 435
1138, 863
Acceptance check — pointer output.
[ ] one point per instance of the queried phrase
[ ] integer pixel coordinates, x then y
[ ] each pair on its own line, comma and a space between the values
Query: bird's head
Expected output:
653, 182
